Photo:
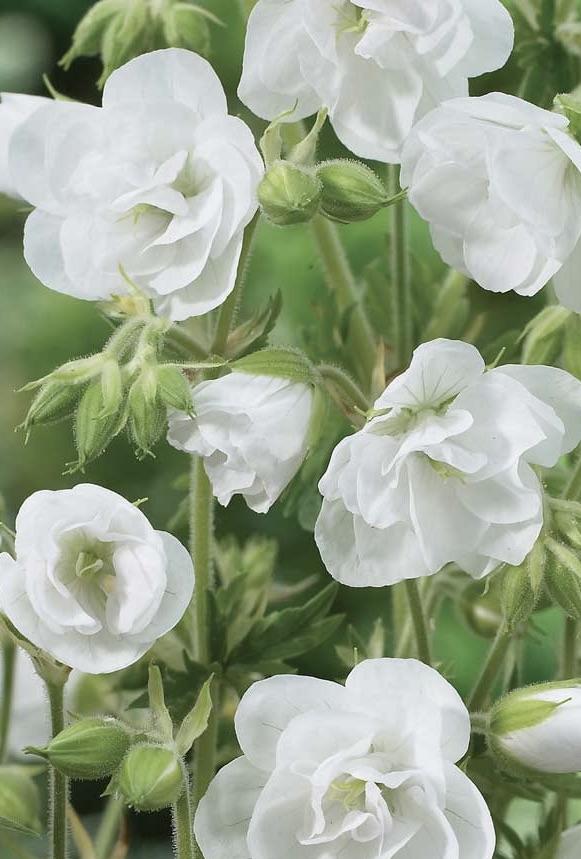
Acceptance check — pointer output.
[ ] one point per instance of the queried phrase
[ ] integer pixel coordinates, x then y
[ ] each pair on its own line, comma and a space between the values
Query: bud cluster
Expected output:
146, 768
563, 545
342, 190
119, 30
126, 386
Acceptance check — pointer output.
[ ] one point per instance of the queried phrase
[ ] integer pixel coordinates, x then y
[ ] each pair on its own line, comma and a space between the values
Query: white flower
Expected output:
252, 432
539, 728
159, 182
443, 472
93, 583
570, 844
14, 109
499, 182
359, 771
377, 65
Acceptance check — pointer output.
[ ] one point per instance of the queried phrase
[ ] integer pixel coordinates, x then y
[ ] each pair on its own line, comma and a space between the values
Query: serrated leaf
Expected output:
283, 626
317, 634
196, 722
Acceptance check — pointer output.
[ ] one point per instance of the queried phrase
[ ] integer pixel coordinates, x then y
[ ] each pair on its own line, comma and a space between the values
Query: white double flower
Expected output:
443, 472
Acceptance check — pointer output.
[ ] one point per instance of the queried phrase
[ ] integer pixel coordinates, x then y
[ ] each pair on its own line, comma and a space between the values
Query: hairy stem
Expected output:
402, 307
341, 283
494, 660
419, 621
229, 309
8, 670
183, 823
345, 384
569, 661
573, 488
58, 784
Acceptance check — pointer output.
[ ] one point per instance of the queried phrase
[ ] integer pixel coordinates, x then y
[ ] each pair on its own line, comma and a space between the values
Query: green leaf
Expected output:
253, 334
196, 722
279, 629
163, 720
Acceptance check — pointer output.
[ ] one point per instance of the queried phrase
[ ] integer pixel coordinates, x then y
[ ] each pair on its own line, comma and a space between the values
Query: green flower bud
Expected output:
88, 749
90, 32
289, 194
54, 402
95, 425
19, 801
174, 389
187, 26
543, 336
112, 386
451, 310
563, 578
147, 413
351, 191
521, 587
150, 778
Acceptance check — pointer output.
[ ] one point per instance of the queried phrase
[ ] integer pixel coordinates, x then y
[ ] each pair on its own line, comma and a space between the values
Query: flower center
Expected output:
349, 792
350, 19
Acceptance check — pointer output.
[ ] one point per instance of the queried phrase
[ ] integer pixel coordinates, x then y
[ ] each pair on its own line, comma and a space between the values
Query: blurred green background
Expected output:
40, 329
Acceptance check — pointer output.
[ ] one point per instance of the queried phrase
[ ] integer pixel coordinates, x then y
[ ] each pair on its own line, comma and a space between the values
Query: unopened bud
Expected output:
351, 191
187, 26
543, 336
563, 577
521, 587
54, 402
95, 425
174, 389
19, 801
88, 749
150, 778
88, 36
112, 386
539, 728
289, 194
147, 414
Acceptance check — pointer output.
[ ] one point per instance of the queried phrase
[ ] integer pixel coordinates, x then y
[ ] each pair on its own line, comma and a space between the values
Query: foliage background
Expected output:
40, 329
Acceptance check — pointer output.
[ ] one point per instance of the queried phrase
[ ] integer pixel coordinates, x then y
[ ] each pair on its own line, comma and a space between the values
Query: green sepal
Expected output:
196, 722
282, 363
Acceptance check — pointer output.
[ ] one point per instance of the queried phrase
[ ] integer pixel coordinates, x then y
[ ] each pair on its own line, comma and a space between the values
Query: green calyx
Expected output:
150, 778
281, 363
570, 106
89, 749
352, 191
289, 194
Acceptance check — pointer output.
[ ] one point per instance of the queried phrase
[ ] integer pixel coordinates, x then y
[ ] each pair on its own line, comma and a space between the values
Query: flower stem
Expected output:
183, 823
419, 621
345, 384
342, 284
573, 488
229, 309
400, 277
569, 666
108, 832
494, 660
58, 785
8, 671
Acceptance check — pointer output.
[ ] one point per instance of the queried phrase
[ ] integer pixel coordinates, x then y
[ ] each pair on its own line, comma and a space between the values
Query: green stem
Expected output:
229, 309
569, 666
487, 678
201, 532
431, 598
108, 833
343, 381
573, 488
419, 621
341, 283
183, 823
8, 671
400, 277
58, 785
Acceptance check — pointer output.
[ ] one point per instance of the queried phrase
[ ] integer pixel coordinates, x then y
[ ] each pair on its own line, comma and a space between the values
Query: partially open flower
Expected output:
93, 583
442, 471
251, 430
539, 728
156, 186
364, 770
